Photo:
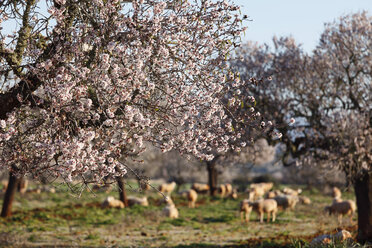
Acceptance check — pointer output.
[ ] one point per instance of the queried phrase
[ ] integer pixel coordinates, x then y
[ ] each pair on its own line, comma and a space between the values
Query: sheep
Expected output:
191, 198
229, 189
222, 190
167, 187
200, 188
111, 202
268, 206
265, 186
305, 200
336, 193
256, 193
272, 194
341, 208
137, 201
170, 209
286, 201
289, 191
234, 194
328, 238
245, 210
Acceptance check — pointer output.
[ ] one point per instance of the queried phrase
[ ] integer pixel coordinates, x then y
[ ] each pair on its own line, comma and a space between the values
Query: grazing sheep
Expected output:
229, 189
137, 201
167, 187
245, 210
234, 194
336, 193
272, 194
222, 190
111, 202
192, 196
341, 208
328, 238
265, 186
289, 191
200, 188
286, 201
144, 185
170, 209
268, 206
256, 193
305, 200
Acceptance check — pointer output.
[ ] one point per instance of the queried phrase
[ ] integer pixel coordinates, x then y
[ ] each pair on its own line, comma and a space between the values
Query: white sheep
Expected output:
245, 210
170, 209
111, 202
167, 187
262, 206
192, 196
272, 194
256, 193
289, 191
138, 201
266, 186
286, 201
341, 208
229, 189
200, 188
222, 190
234, 194
305, 200
336, 193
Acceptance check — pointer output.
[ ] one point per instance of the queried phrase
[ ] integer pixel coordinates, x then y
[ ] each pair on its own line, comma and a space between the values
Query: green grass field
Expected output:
62, 219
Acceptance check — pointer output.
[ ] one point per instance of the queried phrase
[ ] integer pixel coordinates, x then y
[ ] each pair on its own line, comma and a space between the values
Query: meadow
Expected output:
64, 219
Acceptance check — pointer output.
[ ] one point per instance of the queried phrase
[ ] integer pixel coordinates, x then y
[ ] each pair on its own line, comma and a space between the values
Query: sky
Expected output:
303, 19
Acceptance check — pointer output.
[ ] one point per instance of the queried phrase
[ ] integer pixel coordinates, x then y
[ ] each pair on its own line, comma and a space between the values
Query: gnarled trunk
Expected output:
122, 192
212, 177
363, 192
9, 195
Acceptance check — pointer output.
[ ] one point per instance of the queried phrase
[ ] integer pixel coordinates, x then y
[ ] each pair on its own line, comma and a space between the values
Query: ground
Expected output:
63, 219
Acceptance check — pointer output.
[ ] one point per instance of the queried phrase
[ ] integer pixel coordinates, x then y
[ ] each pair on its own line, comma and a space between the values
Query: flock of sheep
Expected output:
261, 199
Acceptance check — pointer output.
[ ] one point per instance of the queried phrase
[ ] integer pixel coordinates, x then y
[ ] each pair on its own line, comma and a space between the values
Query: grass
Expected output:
61, 219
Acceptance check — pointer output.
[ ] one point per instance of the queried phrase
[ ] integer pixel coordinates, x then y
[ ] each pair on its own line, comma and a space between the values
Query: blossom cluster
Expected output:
120, 78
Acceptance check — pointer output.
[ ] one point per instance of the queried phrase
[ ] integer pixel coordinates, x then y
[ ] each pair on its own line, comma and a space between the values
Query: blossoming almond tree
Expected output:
86, 83
329, 91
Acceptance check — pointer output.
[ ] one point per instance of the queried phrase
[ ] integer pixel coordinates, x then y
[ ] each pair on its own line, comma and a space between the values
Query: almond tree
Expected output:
329, 93
86, 83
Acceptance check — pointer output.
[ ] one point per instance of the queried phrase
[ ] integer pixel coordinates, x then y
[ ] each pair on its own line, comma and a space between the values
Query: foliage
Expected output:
327, 93
89, 83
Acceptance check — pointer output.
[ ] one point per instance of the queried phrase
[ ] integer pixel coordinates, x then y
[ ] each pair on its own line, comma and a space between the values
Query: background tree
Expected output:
329, 94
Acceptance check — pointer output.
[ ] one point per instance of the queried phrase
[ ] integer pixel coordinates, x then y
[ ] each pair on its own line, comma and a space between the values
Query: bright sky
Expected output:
303, 19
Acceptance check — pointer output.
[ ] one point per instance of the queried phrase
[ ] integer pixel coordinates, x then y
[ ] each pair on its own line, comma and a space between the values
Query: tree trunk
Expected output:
212, 177
122, 192
9, 195
363, 192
